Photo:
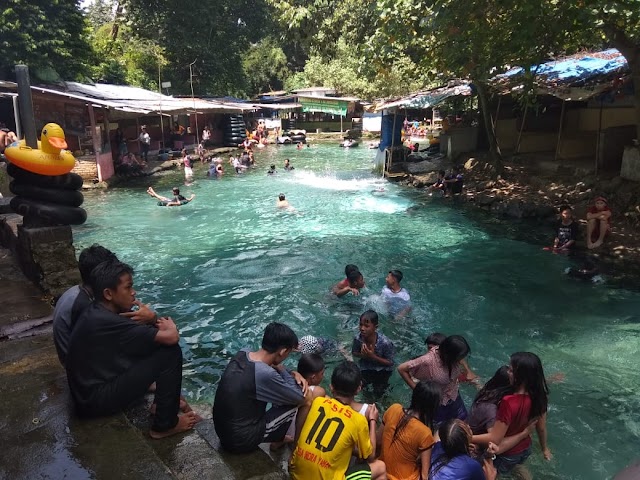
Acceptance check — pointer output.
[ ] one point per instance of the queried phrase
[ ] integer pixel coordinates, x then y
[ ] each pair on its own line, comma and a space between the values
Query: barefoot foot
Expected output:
185, 422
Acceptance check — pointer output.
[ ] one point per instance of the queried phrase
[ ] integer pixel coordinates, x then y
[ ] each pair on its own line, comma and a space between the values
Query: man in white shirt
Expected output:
397, 298
145, 142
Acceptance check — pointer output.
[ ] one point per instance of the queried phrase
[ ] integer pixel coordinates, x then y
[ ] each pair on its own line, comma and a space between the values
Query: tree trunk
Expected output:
494, 149
115, 28
631, 52
635, 75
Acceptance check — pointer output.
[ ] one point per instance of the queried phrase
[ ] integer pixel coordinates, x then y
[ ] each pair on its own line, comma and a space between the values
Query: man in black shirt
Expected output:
113, 359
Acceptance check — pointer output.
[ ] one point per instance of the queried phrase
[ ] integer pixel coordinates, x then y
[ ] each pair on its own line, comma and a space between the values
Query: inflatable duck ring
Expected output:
48, 159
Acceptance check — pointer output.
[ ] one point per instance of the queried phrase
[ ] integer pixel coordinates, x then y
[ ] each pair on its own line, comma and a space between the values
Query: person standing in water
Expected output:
528, 403
397, 298
376, 353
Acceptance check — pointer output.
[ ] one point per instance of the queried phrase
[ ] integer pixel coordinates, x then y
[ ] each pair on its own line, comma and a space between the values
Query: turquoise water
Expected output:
229, 263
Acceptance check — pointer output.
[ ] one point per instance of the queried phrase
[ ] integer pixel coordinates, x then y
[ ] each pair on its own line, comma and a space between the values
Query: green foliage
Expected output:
127, 60
349, 74
48, 35
265, 67
214, 35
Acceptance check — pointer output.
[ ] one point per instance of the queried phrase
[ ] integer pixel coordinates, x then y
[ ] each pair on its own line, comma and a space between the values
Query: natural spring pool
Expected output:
229, 263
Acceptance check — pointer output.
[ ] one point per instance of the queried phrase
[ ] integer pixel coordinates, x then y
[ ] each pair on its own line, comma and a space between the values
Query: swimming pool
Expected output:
229, 263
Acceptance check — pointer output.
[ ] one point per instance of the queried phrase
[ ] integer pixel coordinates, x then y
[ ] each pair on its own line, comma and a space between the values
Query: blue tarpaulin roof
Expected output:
573, 78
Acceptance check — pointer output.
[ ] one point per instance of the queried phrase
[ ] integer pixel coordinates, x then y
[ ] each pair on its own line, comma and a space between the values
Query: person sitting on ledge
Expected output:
598, 222
113, 359
251, 381
75, 300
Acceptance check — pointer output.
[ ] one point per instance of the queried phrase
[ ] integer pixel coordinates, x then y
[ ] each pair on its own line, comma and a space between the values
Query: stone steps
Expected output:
41, 438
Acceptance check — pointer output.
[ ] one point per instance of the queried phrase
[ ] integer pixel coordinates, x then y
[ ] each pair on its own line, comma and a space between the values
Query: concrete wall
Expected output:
587, 119
87, 168
579, 136
612, 144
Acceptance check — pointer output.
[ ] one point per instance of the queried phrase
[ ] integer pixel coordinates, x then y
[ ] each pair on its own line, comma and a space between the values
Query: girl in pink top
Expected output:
442, 366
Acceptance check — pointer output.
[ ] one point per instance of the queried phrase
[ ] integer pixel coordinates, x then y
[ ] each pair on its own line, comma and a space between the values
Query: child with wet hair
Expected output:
352, 284
311, 367
451, 455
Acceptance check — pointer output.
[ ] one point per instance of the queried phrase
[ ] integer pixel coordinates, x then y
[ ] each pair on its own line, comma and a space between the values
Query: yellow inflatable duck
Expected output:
48, 159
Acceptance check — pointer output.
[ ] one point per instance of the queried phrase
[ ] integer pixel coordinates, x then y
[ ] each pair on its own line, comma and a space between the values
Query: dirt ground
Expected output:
540, 182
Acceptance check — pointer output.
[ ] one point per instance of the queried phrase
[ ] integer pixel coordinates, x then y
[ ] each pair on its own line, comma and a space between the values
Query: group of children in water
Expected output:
335, 436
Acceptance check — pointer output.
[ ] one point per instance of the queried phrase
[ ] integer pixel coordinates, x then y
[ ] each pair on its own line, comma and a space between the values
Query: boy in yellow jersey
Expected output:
331, 431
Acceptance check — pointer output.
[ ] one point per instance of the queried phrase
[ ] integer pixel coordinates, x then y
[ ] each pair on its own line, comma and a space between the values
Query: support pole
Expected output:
393, 136
26, 106
340, 123
495, 120
560, 131
524, 119
598, 137
16, 116
195, 111
160, 105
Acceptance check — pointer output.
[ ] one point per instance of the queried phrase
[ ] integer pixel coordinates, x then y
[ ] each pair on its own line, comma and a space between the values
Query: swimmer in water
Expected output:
282, 202
171, 202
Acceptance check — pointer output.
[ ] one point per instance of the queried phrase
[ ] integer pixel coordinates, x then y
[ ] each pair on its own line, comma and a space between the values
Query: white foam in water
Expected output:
378, 204
331, 182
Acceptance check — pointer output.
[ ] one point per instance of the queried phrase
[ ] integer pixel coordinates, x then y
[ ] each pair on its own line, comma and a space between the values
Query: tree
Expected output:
617, 23
265, 67
334, 34
49, 36
474, 39
213, 34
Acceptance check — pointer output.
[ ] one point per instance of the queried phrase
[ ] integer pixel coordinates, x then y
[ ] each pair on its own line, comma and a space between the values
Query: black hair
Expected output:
309, 364
453, 349
176, 190
527, 371
278, 336
565, 207
90, 258
442, 172
281, 197
353, 276
346, 379
497, 387
273, 167
370, 316
435, 338
107, 275
397, 274
349, 268
425, 400
454, 439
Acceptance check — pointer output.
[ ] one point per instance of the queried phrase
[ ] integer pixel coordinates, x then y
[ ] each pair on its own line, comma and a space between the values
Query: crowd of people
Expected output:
116, 349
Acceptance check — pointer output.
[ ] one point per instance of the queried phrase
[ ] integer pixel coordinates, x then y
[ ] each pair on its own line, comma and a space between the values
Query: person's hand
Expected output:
531, 427
354, 291
365, 351
372, 413
166, 323
546, 453
492, 448
490, 472
301, 381
143, 314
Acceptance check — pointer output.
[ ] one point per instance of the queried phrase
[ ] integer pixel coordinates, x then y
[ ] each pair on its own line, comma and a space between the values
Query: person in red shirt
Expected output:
517, 411
598, 222
352, 284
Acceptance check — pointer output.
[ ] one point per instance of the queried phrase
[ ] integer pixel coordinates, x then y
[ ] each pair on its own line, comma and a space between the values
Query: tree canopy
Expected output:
367, 48
50, 36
